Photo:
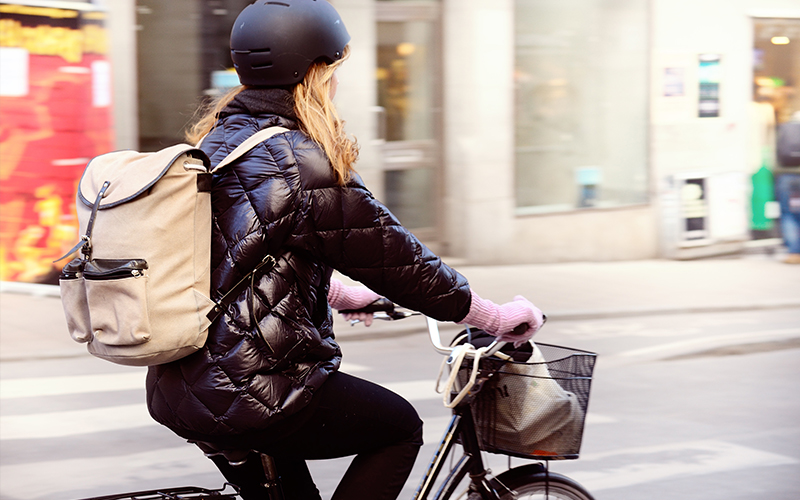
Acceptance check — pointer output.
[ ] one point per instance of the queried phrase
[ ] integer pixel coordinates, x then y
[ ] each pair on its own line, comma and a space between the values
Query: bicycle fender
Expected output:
535, 473
522, 471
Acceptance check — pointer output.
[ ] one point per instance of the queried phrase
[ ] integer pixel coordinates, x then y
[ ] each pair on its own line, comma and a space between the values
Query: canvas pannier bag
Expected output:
139, 293
519, 405
532, 412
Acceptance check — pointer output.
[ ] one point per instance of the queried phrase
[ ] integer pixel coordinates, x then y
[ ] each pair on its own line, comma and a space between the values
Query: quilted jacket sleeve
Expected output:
351, 231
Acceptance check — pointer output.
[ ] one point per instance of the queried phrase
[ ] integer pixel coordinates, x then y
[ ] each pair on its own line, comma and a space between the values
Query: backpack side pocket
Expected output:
73, 299
116, 291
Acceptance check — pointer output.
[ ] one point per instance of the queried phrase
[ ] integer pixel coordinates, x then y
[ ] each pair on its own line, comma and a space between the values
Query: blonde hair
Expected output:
319, 119
315, 111
209, 115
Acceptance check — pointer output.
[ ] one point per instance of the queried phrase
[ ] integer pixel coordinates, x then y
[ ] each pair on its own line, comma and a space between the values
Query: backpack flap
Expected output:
131, 173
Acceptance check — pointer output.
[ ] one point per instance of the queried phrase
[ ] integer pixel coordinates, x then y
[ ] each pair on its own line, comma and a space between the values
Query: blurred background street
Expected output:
630, 166
515, 132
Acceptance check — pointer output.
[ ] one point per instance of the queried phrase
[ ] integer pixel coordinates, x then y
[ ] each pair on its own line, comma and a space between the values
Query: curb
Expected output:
35, 289
625, 313
40, 290
404, 331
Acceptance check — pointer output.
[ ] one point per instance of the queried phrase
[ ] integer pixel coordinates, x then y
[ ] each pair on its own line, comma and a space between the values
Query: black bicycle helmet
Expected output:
273, 43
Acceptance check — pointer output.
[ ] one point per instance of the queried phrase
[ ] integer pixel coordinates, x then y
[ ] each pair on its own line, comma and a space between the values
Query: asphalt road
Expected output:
685, 406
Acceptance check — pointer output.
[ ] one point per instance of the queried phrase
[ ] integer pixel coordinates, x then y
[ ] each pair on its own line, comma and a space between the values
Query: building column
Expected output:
357, 93
479, 128
121, 26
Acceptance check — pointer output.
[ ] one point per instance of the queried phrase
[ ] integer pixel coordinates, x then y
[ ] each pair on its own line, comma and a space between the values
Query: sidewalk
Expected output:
32, 323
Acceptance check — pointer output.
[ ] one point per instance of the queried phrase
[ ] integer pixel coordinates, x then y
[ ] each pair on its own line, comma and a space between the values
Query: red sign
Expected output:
55, 115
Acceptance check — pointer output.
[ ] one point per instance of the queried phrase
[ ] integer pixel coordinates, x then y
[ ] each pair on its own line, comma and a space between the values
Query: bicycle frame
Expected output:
461, 430
462, 427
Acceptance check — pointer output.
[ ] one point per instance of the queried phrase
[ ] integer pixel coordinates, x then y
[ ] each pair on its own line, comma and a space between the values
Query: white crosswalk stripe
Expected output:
76, 384
75, 422
113, 418
23, 481
696, 458
82, 384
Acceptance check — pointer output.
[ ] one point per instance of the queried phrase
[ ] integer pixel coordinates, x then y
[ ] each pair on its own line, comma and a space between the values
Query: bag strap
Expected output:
450, 398
233, 293
85, 245
268, 261
248, 144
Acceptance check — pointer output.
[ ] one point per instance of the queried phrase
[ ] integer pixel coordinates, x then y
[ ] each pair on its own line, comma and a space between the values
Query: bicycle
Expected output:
477, 375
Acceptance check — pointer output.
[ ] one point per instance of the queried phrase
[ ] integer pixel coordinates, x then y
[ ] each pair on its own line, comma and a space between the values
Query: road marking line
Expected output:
691, 458
116, 418
86, 421
683, 345
24, 481
35, 387
75, 422
76, 384
594, 418
348, 367
434, 428
414, 390
114, 473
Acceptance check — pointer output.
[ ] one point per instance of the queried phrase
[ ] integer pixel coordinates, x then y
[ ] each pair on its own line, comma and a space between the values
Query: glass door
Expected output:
409, 79
775, 105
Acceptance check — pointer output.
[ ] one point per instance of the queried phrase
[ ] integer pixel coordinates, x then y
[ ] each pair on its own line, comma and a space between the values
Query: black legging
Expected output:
347, 416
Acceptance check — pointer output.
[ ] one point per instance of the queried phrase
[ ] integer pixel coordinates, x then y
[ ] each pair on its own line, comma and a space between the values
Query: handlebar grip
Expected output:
523, 327
520, 329
381, 305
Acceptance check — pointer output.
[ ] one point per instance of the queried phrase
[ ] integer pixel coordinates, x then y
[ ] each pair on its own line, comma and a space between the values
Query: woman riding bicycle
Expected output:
267, 378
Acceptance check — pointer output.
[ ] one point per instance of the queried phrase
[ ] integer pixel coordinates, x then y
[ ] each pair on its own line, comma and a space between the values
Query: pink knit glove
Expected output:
501, 320
341, 296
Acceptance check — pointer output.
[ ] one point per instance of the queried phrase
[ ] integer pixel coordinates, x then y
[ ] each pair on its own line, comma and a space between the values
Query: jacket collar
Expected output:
258, 101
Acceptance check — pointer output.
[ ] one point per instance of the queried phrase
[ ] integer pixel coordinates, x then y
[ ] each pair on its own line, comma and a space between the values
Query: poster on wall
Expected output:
55, 114
673, 82
709, 74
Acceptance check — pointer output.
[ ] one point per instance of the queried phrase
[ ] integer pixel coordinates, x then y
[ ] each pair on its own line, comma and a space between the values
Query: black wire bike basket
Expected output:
535, 409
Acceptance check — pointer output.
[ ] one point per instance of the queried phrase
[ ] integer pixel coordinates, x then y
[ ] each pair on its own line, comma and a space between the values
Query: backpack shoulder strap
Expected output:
248, 144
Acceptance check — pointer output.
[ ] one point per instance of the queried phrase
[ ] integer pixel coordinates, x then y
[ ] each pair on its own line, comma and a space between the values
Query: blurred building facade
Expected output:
519, 130
55, 114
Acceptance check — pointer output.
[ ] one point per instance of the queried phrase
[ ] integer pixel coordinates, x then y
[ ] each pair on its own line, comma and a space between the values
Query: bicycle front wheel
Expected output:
539, 486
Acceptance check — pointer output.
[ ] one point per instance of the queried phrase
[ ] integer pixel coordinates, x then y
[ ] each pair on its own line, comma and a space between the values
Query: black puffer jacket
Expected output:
270, 350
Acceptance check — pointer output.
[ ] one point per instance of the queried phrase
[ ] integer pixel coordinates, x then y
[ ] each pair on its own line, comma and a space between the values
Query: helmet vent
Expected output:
278, 3
254, 51
262, 65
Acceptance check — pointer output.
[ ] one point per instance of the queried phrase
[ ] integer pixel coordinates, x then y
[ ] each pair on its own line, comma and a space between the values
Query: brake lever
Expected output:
388, 316
402, 314
380, 305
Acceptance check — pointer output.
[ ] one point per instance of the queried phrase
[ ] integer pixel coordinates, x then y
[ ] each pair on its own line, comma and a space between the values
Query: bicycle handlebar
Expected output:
456, 355
381, 305
385, 309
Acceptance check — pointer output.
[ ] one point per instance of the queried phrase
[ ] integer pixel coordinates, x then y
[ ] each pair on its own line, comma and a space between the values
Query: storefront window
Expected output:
775, 125
408, 89
580, 104
776, 69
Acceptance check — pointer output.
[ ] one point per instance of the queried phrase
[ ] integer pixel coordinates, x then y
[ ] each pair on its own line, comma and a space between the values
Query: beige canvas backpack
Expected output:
139, 293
